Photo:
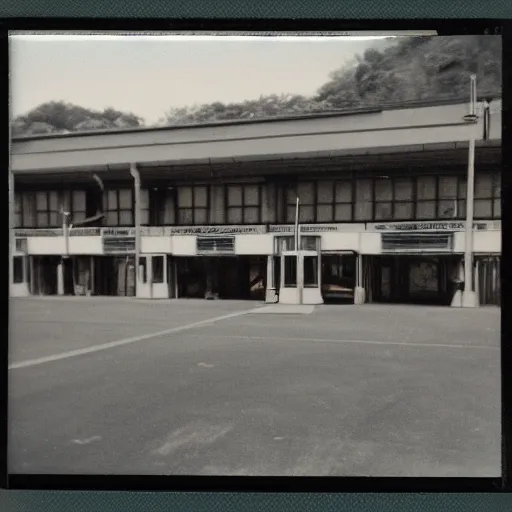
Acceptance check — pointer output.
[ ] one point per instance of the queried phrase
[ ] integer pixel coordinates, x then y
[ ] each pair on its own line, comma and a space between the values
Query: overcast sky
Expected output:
149, 75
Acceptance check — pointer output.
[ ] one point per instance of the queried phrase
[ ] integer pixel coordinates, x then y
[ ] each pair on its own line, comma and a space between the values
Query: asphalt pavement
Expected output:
345, 390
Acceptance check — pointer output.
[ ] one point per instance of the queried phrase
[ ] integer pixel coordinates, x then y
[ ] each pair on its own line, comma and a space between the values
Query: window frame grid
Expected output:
118, 208
193, 208
243, 206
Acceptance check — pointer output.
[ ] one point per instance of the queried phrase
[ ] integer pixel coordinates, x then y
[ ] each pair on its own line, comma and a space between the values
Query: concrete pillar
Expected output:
359, 291
60, 278
176, 290
93, 285
270, 291
457, 297
477, 281
300, 276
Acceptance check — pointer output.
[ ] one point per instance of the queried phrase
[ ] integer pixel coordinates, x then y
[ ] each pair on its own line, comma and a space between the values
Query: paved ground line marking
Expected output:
125, 341
363, 342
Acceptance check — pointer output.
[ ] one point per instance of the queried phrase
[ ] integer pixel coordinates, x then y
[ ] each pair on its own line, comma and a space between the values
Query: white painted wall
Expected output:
184, 245
55, 245
254, 244
495, 131
370, 243
19, 290
340, 241
156, 244
85, 245
46, 245
487, 242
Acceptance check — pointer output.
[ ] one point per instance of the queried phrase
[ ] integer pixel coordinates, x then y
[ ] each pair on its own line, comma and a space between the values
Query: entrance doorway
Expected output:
222, 277
114, 275
45, 280
339, 277
410, 279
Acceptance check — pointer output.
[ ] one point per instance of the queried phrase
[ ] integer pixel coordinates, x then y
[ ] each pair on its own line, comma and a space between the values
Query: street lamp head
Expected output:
470, 118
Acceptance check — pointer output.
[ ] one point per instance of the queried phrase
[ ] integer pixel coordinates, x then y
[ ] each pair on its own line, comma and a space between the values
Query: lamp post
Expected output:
300, 266
469, 298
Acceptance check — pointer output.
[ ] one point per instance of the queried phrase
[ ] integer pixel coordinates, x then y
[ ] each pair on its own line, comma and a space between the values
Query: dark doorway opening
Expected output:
222, 277
338, 277
114, 276
45, 275
415, 279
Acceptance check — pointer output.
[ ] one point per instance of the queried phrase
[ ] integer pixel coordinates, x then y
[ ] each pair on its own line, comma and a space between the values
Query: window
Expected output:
290, 271
18, 217
18, 269
426, 197
311, 271
119, 207
48, 207
343, 201
496, 194
192, 205
447, 206
158, 269
363, 203
403, 199
78, 207
143, 269
325, 201
485, 190
28, 210
383, 199
144, 207
305, 191
243, 204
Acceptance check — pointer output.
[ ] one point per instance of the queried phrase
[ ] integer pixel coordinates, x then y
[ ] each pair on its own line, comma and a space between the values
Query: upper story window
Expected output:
305, 191
334, 201
192, 205
243, 204
119, 207
43, 208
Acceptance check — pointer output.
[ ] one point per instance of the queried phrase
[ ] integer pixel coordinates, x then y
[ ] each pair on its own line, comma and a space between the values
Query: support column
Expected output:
12, 239
176, 289
477, 281
32, 278
60, 278
270, 291
359, 291
136, 181
93, 277
469, 298
300, 276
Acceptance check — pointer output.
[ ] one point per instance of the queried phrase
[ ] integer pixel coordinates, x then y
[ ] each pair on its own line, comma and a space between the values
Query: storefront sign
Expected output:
219, 230
118, 232
305, 228
431, 226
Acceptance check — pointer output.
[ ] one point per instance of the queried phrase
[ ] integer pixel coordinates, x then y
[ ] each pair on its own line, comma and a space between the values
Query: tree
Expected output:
60, 117
413, 68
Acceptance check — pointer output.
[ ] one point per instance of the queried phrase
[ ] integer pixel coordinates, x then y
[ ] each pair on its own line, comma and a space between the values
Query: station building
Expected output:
208, 211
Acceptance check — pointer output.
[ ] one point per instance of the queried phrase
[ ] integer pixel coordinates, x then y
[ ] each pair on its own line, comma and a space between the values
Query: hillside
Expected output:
408, 69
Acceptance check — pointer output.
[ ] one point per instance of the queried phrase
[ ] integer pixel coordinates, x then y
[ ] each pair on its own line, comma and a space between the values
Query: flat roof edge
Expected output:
275, 119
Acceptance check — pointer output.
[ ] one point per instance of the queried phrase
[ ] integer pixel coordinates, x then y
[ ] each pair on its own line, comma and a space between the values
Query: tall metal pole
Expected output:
136, 179
12, 238
469, 298
300, 266
297, 225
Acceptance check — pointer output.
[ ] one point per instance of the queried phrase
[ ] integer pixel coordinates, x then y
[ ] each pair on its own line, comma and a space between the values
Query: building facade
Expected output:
209, 211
